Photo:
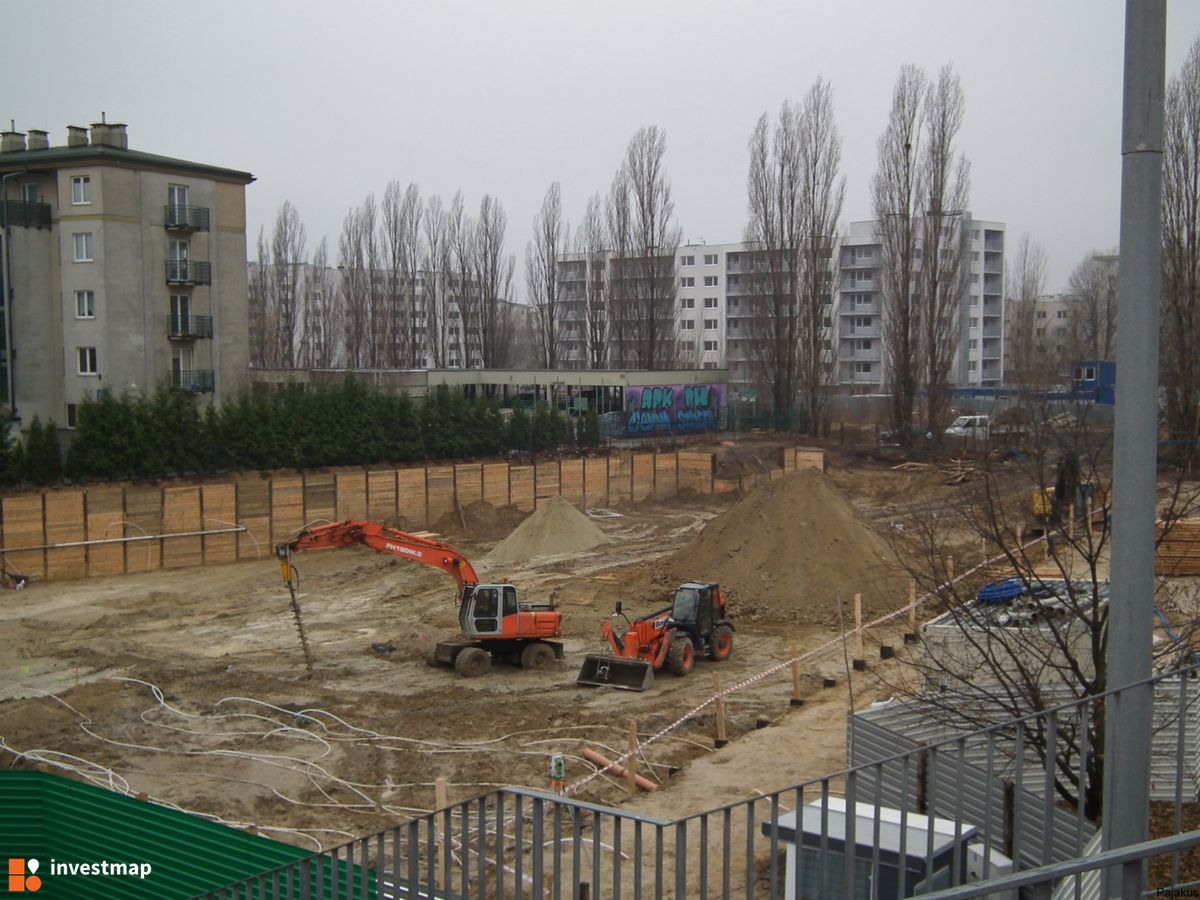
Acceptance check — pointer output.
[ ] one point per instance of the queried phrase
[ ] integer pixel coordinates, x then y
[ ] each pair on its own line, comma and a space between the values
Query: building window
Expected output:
972, 344
687, 346
734, 303
1041, 332
974, 322
687, 303
710, 259
87, 360
687, 324
687, 281
710, 324
860, 275
710, 346
81, 190
85, 304
1060, 314
862, 344
971, 366
710, 280
29, 192
687, 260
83, 247
862, 321
733, 258
862, 368
710, 365
710, 302
71, 407
1041, 314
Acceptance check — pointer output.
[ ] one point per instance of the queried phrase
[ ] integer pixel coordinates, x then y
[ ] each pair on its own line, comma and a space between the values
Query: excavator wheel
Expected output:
472, 662
680, 656
537, 656
720, 647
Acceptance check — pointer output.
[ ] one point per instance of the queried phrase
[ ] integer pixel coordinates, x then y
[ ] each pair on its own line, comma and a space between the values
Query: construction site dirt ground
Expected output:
189, 686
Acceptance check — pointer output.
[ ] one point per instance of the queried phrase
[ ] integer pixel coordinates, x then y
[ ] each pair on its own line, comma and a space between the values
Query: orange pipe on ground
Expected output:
607, 765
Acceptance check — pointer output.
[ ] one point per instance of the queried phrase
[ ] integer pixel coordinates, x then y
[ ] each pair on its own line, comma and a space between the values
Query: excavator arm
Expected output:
384, 540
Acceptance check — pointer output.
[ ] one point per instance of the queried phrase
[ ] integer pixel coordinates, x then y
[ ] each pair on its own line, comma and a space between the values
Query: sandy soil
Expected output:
189, 686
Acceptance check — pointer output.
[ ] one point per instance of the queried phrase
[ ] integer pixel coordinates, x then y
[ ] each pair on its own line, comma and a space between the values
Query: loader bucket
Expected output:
614, 671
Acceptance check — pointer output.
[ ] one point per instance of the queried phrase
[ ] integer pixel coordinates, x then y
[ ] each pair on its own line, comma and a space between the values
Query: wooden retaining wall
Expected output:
273, 508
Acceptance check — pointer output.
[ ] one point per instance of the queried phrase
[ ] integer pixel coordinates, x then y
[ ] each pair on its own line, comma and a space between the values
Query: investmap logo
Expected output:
22, 876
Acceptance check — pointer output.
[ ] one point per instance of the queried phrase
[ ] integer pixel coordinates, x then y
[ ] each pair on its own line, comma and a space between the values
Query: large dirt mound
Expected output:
785, 552
481, 521
557, 527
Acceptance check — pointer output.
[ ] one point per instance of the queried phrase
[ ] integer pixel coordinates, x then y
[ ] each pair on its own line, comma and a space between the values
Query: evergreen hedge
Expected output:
343, 424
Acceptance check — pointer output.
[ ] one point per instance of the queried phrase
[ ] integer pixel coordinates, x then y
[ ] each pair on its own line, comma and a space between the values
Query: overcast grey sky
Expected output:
325, 102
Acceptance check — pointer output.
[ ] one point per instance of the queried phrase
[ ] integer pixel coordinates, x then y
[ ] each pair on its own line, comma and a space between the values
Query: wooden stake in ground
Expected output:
722, 736
912, 606
797, 700
631, 763
860, 657
949, 570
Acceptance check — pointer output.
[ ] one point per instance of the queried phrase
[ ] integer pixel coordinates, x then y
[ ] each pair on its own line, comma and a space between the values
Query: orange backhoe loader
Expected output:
694, 623
494, 623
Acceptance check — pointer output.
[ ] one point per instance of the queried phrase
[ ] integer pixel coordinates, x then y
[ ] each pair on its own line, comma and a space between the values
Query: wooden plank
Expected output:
287, 507
382, 496
254, 512
181, 512
570, 480
105, 519
219, 509
410, 501
521, 487
696, 471
468, 483
546, 479
595, 480
440, 485
666, 475
807, 458
143, 516
495, 484
351, 490
65, 524
24, 527
620, 479
643, 476
320, 498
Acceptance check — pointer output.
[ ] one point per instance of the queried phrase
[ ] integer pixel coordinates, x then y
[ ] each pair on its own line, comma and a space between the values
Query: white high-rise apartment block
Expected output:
979, 362
714, 296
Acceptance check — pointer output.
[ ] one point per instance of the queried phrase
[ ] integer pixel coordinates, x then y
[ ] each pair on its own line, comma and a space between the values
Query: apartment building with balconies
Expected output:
979, 360
121, 270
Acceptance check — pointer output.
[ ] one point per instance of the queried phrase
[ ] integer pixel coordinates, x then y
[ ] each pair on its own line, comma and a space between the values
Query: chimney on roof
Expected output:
12, 141
77, 136
110, 134
38, 139
100, 132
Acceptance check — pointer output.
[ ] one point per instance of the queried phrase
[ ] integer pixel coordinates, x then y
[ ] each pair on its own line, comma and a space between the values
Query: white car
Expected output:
969, 427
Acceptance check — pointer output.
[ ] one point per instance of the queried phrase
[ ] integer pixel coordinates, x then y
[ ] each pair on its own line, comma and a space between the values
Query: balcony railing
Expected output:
196, 381
186, 218
189, 328
188, 271
25, 215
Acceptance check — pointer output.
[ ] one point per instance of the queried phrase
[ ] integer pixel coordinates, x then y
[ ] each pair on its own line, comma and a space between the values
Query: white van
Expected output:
969, 427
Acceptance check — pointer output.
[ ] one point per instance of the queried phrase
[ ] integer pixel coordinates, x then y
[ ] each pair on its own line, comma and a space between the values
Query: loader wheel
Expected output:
720, 647
680, 656
537, 656
472, 662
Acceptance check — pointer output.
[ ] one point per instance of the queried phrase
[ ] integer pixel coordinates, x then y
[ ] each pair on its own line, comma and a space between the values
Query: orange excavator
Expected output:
494, 623
695, 623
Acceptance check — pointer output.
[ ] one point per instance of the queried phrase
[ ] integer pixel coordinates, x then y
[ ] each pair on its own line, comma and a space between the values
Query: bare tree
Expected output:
945, 176
896, 191
618, 214
263, 326
288, 248
355, 289
493, 317
591, 245
1180, 369
655, 240
435, 254
400, 240
820, 210
551, 237
1032, 366
1092, 307
322, 319
460, 259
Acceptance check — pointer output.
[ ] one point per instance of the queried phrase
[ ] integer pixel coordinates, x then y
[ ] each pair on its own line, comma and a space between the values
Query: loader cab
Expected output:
694, 608
485, 607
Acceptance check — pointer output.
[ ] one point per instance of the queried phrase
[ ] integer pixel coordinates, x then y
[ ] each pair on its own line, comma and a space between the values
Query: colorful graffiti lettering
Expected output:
673, 409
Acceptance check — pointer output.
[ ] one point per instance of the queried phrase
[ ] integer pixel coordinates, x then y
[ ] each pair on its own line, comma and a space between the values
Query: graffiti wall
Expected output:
673, 409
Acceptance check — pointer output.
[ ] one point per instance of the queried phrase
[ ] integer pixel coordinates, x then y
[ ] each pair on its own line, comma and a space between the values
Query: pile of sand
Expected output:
480, 520
556, 528
785, 551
